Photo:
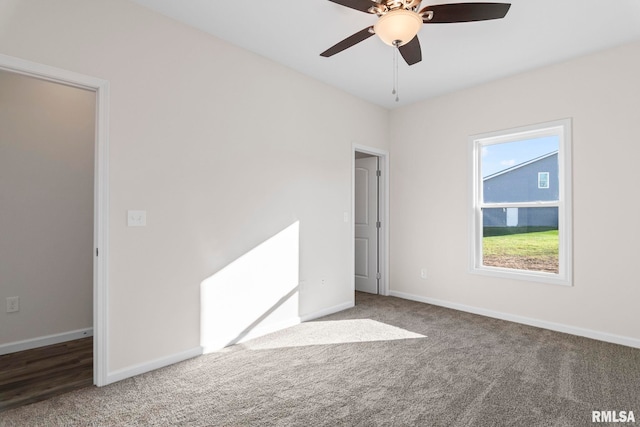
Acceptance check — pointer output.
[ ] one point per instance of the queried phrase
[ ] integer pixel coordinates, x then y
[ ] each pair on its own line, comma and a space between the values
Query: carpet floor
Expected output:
386, 361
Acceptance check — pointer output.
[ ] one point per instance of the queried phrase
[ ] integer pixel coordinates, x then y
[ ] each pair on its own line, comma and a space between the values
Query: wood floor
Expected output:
33, 375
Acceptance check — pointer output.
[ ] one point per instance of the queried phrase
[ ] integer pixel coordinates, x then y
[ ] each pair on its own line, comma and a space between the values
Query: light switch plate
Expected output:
136, 218
13, 304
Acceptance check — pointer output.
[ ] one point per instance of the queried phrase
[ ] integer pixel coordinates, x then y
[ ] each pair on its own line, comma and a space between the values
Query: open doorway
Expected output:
56, 175
370, 213
47, 138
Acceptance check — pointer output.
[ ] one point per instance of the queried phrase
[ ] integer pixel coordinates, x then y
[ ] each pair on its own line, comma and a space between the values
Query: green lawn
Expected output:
534, 251
536, 244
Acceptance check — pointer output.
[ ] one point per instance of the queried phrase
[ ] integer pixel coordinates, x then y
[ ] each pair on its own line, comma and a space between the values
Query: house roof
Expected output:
518, 166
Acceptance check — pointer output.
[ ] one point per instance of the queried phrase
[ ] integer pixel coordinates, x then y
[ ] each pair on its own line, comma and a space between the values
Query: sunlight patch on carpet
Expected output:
332, 332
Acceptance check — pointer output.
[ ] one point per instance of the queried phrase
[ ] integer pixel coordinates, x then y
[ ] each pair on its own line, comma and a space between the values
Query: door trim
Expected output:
383, 245
101, 195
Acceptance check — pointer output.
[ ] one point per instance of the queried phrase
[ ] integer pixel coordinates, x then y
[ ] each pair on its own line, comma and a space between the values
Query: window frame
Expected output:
560, 128
541, 174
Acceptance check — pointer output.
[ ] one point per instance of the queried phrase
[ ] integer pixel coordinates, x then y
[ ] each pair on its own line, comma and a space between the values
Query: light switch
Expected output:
136, 218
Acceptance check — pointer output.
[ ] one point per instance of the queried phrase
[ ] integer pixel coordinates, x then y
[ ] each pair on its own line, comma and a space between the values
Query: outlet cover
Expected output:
13, 304
136, 218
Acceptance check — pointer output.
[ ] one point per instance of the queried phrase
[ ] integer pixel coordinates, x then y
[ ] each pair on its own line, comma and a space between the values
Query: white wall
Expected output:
222, 148
430, 183
46, 202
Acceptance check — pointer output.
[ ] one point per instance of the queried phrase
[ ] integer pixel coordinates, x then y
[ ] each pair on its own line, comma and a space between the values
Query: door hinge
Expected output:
378, 172
378, 275
378, 224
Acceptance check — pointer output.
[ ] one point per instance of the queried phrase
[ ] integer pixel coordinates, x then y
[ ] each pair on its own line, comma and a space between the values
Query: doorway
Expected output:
370, 213
98, 232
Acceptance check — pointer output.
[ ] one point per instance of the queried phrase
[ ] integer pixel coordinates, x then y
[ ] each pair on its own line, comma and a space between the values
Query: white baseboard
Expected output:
327, 311
264, 330
254, 333
260, 331
558, 327
13, 347
122, 374
142, 368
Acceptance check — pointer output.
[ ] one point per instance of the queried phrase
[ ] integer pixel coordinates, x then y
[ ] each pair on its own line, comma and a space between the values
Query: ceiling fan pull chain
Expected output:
396, 83
395, 90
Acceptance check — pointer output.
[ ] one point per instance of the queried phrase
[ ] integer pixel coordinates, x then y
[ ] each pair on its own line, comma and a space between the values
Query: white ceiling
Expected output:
294, 32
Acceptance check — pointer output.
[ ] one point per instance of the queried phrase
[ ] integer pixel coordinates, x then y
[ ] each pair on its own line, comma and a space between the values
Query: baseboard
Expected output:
558, 327
264, 330
122, 374
260, 331
327, 311
254, 333
142, 368
13, 347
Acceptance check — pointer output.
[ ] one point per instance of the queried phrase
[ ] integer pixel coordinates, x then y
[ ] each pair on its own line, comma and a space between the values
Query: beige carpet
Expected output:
385, 362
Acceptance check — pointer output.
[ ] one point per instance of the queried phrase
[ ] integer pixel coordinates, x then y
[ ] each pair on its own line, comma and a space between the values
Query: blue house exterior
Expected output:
532, 181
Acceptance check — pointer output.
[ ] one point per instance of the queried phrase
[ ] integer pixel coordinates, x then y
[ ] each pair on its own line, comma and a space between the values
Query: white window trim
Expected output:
547, 181
562, 128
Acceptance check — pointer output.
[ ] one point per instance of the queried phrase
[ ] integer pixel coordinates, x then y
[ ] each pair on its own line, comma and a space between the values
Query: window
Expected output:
543, 179
520, 216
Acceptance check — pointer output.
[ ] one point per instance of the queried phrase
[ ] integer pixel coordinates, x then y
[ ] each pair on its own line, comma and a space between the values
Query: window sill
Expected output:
528, 276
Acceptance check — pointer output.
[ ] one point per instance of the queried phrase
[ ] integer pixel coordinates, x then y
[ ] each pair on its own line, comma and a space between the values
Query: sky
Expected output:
498, 157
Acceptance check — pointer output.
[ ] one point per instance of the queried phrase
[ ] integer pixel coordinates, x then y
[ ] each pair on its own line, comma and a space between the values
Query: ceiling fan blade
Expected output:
411, 52
348, 42
361, 5
464, 12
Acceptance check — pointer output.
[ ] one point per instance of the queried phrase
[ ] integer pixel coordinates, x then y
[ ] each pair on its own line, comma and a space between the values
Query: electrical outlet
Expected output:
423, 273
13, 304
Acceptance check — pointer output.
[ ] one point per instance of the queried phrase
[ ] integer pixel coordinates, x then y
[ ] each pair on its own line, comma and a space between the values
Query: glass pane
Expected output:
543, 179
511, 170
521, 239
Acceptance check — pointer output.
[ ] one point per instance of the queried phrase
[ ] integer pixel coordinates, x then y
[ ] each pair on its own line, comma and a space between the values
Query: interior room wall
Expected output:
224, 150
46, 198
430, 192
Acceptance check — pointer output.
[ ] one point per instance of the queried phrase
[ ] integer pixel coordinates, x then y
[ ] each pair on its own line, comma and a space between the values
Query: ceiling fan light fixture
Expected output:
398, 25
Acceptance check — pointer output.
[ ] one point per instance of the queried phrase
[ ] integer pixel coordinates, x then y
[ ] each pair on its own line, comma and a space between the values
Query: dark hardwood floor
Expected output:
38, 374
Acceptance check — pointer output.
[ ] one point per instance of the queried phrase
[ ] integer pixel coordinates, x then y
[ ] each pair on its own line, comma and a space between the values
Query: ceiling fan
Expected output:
400, 20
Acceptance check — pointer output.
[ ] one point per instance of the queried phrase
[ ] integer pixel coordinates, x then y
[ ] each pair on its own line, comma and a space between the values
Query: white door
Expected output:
365, 223
512, 217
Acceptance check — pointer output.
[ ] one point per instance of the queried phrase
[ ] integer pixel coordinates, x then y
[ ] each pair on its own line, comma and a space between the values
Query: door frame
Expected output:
100, 195
383, 244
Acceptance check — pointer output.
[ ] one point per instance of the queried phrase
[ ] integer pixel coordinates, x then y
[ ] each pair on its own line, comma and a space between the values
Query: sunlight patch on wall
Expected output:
333, 332
254, 295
